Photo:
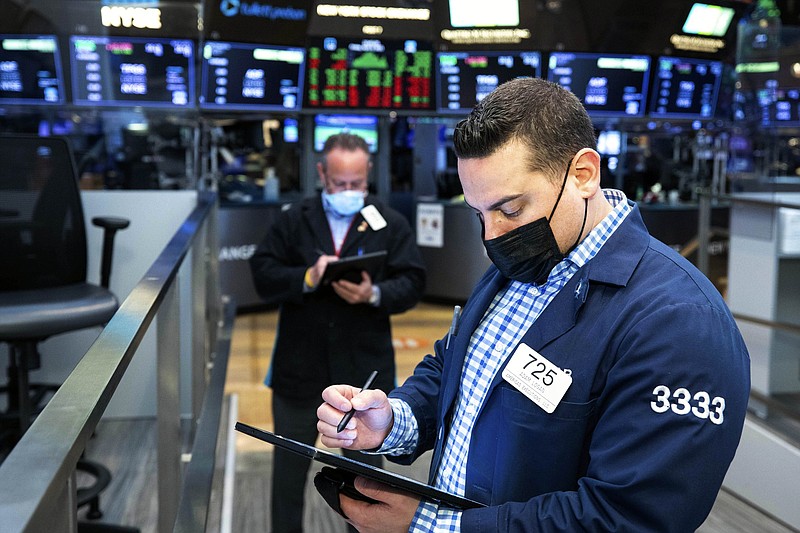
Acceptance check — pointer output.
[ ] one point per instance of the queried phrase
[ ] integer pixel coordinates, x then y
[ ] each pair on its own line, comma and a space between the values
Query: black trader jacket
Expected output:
321, 339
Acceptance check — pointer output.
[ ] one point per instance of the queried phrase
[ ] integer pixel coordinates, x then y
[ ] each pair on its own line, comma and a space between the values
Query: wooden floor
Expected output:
128, 447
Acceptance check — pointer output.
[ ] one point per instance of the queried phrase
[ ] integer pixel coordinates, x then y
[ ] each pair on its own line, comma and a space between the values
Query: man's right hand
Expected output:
315, 271
368, 428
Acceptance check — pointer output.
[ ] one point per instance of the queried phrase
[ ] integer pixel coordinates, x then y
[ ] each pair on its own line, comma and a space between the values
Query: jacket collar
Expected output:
613, 265
318, 222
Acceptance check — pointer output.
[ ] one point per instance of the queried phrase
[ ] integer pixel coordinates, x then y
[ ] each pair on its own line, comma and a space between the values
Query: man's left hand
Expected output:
354, 293
393, 514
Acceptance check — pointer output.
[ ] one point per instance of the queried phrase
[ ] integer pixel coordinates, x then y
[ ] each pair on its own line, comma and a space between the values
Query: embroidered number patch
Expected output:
682, 402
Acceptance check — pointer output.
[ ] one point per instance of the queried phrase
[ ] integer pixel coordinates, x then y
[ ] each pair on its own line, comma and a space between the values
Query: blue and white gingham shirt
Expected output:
508, 317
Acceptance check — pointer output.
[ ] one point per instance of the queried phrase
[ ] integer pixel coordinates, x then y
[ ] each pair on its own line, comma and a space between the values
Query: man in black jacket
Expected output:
330, 333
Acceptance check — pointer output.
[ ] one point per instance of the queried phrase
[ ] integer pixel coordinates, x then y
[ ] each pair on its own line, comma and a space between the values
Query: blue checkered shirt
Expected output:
508, 317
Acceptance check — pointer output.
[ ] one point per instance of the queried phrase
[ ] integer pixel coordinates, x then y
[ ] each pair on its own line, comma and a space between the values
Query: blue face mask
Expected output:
344, 203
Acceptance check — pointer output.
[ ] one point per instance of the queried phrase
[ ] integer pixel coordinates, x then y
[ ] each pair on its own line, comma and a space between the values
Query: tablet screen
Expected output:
361, 469
350, 268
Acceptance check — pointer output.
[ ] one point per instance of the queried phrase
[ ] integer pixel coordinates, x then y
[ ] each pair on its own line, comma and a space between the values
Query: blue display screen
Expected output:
131, 71
30, 70
607, 84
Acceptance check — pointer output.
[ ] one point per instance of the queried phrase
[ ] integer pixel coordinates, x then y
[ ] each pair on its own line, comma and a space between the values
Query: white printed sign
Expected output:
430, 225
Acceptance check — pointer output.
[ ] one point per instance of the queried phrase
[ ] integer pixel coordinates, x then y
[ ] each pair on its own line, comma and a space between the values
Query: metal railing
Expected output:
193, 509
706, 200
38, 489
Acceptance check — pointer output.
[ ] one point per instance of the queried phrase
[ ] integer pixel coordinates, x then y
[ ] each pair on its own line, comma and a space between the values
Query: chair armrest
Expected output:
114, 223
110, 227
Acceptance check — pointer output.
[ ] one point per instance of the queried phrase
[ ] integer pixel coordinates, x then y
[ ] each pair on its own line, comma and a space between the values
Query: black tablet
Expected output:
339, 461
350, 268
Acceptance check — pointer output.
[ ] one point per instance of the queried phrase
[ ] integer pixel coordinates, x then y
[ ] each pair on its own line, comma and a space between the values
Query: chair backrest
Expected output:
42, 232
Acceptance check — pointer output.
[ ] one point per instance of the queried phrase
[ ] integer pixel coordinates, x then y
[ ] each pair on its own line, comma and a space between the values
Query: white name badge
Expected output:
373, 217
537, 378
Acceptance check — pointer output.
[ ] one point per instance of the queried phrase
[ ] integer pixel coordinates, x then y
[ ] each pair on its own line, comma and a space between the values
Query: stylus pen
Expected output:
349, 414
453, 325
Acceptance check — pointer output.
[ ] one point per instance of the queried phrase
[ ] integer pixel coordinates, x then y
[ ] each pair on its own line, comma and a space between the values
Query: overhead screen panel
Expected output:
613, 85
708, 19
473, 13
30, 70
280, 22
132, 71
464, 78
365, 126
779, 106
768, 92
787, 107
685, 88
368, 74
240, 76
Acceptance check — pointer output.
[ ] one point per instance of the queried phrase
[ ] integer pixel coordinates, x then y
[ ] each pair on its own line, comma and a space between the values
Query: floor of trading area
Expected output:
127, 447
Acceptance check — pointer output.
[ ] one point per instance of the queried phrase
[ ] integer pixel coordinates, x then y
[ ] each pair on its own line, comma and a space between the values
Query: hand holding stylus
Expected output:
353, 418
349, 414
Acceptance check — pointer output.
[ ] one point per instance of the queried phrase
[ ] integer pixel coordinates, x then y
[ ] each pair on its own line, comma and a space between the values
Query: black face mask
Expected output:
528, 253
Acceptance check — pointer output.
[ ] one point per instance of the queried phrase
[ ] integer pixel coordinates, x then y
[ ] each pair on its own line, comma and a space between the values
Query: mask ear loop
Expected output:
585, 209
563, 184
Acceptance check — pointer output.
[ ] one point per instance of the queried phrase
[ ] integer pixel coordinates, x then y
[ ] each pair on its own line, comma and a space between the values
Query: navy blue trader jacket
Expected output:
644, 435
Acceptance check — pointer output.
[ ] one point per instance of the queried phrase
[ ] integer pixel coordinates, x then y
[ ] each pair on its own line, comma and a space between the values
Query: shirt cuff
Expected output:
430, 517
404, 436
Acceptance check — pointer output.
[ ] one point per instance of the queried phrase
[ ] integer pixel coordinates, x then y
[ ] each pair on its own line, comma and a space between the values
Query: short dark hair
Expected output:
344, 141
546, 118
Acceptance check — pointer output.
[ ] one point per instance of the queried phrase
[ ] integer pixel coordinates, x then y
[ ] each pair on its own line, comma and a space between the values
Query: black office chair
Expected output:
43, 287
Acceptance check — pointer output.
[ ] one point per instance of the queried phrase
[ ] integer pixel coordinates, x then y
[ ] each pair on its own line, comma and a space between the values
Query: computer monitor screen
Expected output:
30, 70
291, 130
607, 84
368, 74
474, 13
132, 71
366, 126
464, 78
251, 77
609, 142
779, 106
685, 88
709, 20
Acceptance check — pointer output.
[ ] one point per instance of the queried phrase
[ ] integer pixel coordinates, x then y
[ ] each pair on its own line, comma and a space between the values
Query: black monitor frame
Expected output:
111, 91
277, 59
338, 75
501, 66
666, 101
366, 126
590, 73
31, 87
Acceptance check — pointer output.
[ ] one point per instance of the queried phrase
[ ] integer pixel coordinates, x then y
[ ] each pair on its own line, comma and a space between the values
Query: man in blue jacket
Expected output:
596, 380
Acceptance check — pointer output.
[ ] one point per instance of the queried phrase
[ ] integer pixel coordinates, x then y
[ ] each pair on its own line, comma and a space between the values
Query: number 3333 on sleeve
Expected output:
682, 402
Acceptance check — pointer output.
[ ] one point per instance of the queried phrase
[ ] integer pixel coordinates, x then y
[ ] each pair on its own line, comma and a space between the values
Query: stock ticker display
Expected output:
780, 106
685, 88
119, 71
369, 74
251, 77
607, 84
30, 70
464, 78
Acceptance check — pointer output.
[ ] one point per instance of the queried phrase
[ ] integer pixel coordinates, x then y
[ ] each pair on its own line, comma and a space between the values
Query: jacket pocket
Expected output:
521, 409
